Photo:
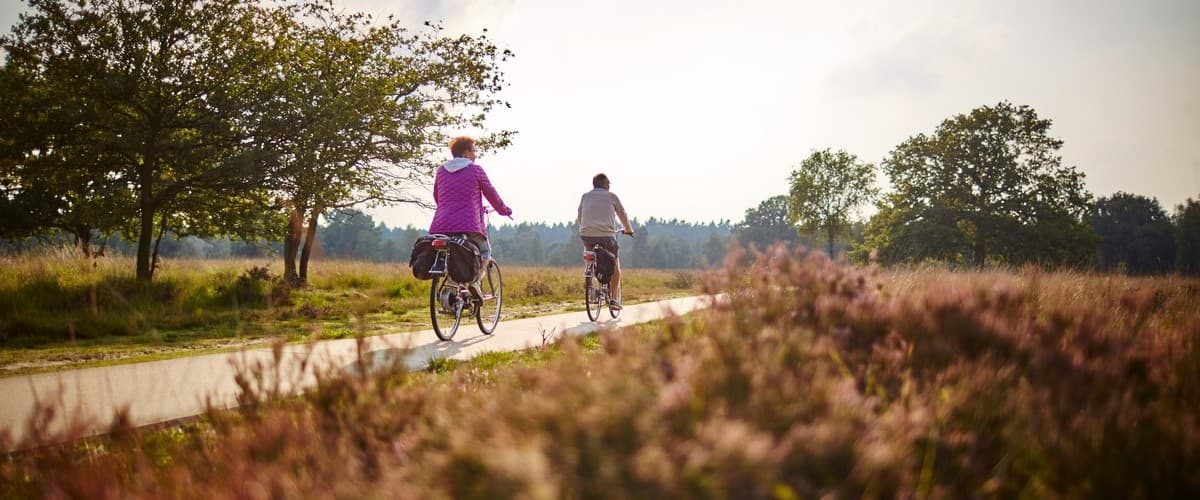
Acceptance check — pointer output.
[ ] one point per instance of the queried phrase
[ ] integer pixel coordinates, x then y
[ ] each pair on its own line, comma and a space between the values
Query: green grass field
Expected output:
58, 311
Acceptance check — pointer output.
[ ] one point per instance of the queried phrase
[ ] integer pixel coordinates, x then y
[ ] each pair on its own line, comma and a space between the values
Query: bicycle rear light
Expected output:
439, 244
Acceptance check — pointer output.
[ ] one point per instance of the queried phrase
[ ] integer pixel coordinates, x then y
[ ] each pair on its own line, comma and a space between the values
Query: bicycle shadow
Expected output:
586, 327
410, 357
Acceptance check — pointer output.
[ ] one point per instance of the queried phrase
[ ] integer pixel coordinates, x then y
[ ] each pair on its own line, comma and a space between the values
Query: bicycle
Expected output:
596, 294
450, 298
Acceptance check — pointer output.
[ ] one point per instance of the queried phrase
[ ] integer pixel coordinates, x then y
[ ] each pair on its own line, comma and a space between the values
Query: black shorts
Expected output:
606, 242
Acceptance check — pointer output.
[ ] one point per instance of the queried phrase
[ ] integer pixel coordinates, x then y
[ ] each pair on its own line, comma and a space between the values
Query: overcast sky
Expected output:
699, 110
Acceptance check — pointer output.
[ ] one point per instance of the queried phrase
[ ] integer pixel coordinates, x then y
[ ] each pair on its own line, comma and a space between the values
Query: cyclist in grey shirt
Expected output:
599, 210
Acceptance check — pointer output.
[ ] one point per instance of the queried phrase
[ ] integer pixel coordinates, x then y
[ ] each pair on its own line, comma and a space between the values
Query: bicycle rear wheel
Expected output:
591, 297
611, 299
492, 288
445, 329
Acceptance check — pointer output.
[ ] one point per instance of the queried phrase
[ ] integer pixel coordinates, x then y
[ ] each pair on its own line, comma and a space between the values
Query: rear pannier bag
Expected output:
463, 265
606, 262
465, 261
422, 259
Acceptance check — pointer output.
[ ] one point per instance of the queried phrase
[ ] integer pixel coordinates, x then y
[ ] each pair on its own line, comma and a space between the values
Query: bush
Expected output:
682, 280
255, 287
536, 288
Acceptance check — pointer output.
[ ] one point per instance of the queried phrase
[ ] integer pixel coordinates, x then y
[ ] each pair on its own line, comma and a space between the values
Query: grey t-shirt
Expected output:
598, 212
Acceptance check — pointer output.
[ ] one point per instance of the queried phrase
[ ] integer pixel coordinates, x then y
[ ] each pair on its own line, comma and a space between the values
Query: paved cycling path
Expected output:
166, 390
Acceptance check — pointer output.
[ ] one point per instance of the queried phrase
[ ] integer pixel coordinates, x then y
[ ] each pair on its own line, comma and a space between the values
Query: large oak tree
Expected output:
987, 187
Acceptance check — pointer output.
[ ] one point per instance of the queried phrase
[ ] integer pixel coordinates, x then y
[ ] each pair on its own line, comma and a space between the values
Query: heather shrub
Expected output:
806, 379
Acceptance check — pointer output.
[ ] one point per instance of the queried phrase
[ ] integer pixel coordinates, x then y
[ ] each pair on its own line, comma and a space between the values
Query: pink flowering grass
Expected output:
808, 379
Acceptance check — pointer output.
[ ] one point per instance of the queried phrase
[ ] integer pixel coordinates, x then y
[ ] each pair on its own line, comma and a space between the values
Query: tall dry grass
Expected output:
810, 380
59, 310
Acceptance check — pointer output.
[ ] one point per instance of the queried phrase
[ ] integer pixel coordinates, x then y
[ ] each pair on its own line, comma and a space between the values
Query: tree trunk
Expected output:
83, 239
146, 229
309, 241
980, 251
162, 229
831, 231
310, 237
291, 245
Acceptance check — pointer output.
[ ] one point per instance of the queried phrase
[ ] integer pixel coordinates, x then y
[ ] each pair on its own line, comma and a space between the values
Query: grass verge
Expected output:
58, 312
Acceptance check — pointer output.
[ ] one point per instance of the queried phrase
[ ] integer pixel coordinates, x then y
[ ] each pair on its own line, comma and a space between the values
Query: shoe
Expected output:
476, 293
616, 306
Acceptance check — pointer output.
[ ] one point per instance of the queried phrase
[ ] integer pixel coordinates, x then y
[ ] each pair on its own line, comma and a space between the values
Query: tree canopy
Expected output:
987, 187
1135, 233
826, 191
224, 117
767, 224
1187, 236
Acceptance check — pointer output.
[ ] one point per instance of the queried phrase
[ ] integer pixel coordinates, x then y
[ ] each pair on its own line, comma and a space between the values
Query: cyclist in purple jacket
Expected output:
458, 192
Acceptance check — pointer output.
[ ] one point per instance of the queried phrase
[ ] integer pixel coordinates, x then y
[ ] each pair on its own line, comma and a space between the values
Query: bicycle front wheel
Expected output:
591, 297
492, 288
440, 292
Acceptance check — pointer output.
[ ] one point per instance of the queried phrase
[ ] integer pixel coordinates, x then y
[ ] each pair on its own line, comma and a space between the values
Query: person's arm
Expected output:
489, 192
620, 210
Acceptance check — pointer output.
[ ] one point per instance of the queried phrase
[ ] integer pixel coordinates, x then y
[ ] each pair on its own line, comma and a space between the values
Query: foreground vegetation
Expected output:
58, 311
812, 380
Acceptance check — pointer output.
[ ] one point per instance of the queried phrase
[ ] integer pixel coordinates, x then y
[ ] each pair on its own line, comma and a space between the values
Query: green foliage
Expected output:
826, 191
224, 117
376, 101
254, 288
138, 111
986, 188
768, 224
659, 244
1187, 237
1135, 234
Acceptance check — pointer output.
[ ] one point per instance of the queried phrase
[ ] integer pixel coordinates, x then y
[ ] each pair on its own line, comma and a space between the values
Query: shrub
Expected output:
682, 280
255, 287
536, 288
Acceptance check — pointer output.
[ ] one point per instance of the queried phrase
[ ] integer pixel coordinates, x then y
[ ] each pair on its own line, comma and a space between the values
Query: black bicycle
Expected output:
449, 300
597, 295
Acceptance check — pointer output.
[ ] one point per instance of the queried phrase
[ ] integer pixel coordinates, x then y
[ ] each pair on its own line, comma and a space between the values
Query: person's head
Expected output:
600, 181
463, 147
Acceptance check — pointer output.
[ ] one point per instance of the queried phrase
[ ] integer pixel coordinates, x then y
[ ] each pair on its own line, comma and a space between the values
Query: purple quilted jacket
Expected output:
456, 191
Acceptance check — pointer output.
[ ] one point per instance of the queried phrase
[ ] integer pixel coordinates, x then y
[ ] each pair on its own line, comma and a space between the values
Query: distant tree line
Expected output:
352, 234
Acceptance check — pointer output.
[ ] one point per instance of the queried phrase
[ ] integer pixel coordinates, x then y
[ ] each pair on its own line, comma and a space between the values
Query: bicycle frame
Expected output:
595, 292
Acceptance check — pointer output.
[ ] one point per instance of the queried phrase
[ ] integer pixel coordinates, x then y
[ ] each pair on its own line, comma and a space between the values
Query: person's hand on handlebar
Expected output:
628, 232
